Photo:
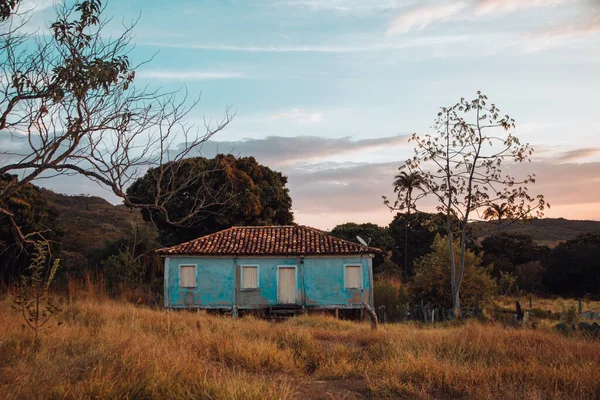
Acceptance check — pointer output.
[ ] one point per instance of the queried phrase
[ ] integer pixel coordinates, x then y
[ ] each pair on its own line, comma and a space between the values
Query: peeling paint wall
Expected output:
320, 281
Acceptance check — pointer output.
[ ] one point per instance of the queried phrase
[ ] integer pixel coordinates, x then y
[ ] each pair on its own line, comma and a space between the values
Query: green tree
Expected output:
34, 215
573, 267
379, 237
530, 276
422, 230
462, 164
506, 250
233, 190
391, 293
130, 261
431, 282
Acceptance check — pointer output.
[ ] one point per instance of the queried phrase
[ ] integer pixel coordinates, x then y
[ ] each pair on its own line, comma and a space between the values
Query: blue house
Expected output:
269, 268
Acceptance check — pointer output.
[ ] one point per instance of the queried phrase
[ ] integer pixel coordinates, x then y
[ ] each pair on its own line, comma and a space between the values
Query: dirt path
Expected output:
347, 389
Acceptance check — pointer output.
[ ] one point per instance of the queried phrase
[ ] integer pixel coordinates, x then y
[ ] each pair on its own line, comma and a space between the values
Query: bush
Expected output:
530, 276
391, 294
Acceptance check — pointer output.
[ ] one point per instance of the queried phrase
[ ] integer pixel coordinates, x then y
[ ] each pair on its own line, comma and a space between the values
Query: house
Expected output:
269, 268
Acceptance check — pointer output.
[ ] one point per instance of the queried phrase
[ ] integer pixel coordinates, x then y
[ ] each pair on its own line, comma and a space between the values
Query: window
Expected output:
353, 277
187, 276
249, 277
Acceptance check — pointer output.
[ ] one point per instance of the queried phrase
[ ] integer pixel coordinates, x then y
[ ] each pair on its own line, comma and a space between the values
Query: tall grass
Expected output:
110, 349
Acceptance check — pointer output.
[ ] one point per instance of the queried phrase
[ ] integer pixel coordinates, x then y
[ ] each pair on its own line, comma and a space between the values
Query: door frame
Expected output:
295, 267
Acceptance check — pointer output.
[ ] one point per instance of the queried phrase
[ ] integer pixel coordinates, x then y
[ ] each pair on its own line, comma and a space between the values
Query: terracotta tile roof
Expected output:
267, 241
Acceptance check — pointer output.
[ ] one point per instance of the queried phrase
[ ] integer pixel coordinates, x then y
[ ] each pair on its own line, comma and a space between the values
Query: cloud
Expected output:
343, 191
345, 6
423, 16
299, 115
281, 151
576, 29
188, 75
33, 6
562, 35
426, 41
483, 7
420, 17
577, 154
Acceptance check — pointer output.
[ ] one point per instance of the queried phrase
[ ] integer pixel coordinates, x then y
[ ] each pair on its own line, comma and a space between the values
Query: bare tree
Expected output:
69, 104
462, 165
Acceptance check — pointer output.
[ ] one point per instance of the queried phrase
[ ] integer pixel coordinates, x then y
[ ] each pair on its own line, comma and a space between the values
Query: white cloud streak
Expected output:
299, 115
426, 41
483, 7
421, 17
345, 6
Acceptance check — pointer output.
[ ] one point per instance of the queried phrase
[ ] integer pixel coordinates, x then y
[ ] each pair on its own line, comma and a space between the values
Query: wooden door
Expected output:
287, 289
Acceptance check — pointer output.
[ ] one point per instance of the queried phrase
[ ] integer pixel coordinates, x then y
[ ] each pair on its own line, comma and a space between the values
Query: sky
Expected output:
328, 91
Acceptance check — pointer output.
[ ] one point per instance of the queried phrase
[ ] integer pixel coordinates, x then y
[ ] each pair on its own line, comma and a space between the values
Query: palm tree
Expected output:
497, 212
406, 183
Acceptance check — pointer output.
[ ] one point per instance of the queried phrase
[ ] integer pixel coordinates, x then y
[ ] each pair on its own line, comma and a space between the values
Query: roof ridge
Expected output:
198, 238
332, 244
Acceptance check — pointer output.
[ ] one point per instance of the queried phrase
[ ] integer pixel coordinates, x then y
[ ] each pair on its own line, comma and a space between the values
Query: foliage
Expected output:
71, 92
131, 260
573, 267
507, 249
244, 193
422, 230
462, 165
33, 213
405, 183
530, 276
390, 293
431, 282
379, 237
120, 269
33, 297
507, 284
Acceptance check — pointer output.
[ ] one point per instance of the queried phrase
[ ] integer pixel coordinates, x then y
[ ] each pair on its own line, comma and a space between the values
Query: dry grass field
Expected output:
107, 349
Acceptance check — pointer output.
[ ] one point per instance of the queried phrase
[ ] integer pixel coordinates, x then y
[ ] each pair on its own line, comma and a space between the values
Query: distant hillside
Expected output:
89, 221
548, 231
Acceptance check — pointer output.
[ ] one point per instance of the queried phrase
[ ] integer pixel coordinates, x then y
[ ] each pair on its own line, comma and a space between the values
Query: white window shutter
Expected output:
353, 278
249, 277
188, 276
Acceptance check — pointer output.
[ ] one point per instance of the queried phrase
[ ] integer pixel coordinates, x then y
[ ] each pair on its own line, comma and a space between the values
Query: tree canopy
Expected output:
432, 277
32, 213
573, 267
379, 237
242, 192
506, 250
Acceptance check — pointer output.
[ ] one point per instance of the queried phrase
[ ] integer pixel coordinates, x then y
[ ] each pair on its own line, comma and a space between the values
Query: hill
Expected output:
546, 231
89, 221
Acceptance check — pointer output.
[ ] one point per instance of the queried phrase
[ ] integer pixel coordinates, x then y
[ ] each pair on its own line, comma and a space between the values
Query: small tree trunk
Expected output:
372, 315
456, 311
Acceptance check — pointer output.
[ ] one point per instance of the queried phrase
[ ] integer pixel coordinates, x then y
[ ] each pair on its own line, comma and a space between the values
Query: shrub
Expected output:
391, 294
530, 276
